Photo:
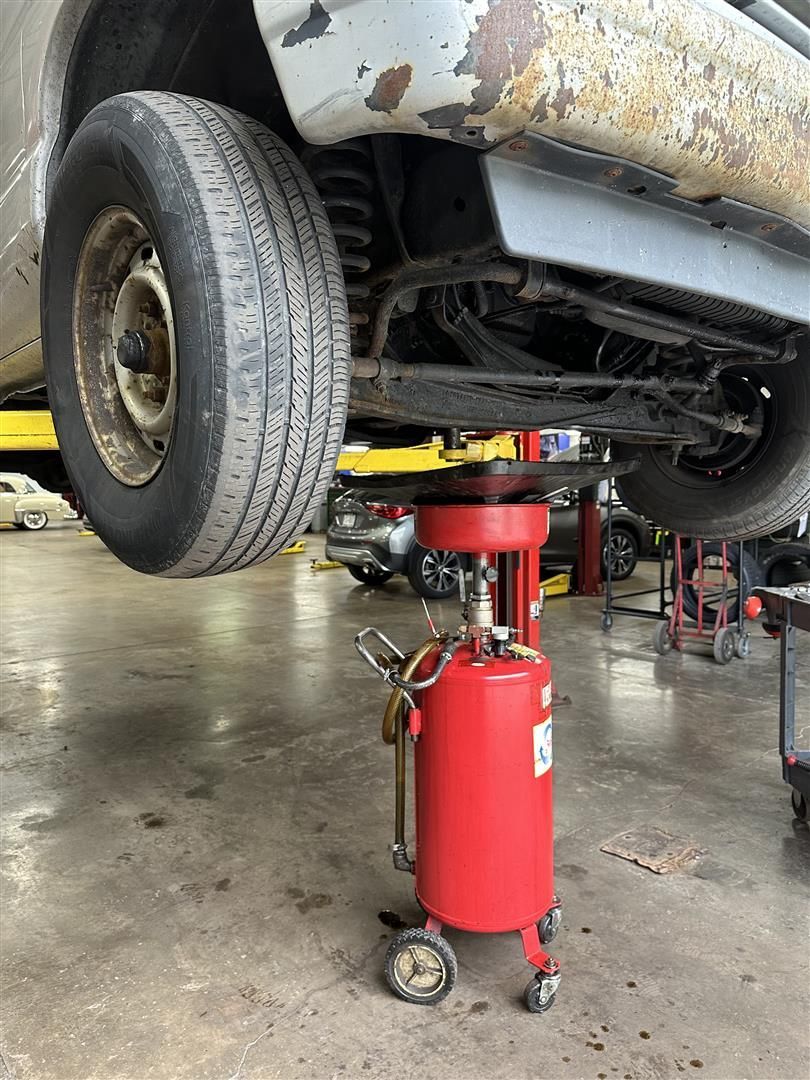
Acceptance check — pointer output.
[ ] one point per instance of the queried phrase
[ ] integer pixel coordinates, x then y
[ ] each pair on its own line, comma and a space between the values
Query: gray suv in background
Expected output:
375, 540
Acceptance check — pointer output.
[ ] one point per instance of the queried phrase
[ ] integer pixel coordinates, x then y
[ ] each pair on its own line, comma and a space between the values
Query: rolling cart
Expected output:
726, 640
611, 607
788, 609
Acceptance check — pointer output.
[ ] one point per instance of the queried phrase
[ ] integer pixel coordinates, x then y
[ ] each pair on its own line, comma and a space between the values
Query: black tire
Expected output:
34, 520
625, 553
431, 951
434, 574
799, 803
742, 646
549, 925
532, 996
368, 575
262, 337
786, 564
752, 577
748, 488
723, 645
662, 642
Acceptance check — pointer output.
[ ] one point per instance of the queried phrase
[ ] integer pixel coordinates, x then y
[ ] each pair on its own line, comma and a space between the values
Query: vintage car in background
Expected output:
26, 505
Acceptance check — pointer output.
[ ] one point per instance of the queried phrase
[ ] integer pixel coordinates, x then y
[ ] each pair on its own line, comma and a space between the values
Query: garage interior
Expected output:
197, 816
474, 334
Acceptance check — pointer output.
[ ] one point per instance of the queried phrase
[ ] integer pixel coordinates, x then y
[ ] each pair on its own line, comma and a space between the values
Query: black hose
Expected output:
445, 656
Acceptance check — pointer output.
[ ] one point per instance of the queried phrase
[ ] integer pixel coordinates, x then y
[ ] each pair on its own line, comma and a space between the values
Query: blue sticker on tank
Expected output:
541, 734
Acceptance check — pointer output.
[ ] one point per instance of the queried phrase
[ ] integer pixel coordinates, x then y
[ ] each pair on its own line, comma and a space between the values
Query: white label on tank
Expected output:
547, 695
541, 734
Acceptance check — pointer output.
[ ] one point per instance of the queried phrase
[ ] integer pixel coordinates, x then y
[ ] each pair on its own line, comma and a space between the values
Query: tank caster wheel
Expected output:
541, 993
661, 638
420, 966
723, 645
799, 803
549, 924
742, 646
606, 621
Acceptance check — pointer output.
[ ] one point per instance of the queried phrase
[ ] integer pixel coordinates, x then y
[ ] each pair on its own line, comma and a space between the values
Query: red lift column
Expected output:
522, 569
589, 543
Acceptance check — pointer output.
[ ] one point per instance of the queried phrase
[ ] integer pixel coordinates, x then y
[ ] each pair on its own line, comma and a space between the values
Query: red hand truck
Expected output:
727, 641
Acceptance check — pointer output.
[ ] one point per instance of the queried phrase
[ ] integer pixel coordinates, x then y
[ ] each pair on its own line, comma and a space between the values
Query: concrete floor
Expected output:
197, 808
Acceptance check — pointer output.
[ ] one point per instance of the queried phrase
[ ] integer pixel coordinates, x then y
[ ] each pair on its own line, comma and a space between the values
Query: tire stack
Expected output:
786, 564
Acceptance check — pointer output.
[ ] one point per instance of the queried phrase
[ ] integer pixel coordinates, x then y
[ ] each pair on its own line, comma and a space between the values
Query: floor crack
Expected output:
246, 1051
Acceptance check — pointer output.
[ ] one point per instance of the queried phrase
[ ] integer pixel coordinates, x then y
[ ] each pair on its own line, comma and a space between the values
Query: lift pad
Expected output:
491, 481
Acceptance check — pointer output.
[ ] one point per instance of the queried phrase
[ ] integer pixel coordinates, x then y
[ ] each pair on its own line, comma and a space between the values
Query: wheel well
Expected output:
212, 50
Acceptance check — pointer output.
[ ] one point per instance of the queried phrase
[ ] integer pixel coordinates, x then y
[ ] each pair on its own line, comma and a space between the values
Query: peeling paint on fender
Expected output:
691, 88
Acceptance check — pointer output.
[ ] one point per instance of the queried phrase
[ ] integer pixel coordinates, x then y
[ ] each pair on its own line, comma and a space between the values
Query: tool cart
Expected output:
788, 610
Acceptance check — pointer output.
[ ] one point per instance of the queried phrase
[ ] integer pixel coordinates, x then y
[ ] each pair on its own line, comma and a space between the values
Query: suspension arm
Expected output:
434, 404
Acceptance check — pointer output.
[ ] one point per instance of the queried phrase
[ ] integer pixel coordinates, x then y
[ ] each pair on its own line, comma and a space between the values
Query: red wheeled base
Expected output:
421, 967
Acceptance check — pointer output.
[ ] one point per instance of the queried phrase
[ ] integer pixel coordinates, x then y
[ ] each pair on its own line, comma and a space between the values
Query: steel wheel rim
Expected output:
120, 286
34, 519
441, 569
420, 970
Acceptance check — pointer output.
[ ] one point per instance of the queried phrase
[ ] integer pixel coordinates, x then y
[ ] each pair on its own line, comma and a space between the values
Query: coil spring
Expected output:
343, 173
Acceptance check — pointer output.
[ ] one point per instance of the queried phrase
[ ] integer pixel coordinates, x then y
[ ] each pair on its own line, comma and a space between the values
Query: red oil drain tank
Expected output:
478, 705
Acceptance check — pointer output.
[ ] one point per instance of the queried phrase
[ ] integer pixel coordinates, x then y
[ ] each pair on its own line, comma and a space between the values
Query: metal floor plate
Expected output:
490, 481
649, 846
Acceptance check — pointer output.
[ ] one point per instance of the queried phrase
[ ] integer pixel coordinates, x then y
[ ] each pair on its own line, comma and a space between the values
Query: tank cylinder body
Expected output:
484, 830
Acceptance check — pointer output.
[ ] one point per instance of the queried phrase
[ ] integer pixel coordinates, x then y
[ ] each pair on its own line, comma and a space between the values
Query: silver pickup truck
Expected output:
234, 229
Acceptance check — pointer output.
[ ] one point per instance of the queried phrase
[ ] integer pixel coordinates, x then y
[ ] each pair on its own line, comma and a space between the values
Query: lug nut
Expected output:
132, 351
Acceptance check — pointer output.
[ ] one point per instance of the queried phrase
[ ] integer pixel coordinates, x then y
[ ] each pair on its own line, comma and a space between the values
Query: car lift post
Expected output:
589, 543
519, 603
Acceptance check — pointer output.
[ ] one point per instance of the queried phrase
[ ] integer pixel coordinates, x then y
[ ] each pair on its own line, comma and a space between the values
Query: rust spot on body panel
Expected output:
499, 49
390, 88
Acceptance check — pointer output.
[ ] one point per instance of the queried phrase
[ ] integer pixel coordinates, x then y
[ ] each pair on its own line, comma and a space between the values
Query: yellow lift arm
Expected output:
431, 455
32, 429
27, 429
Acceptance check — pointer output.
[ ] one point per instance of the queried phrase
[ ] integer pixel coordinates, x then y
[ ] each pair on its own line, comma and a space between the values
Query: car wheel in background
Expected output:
744, 580
434, 574
786, 564
369, 575
744, 487
34, 520
623, 553
195, 332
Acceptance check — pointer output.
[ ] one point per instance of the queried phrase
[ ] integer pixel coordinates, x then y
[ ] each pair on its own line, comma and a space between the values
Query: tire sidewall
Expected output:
104, 166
